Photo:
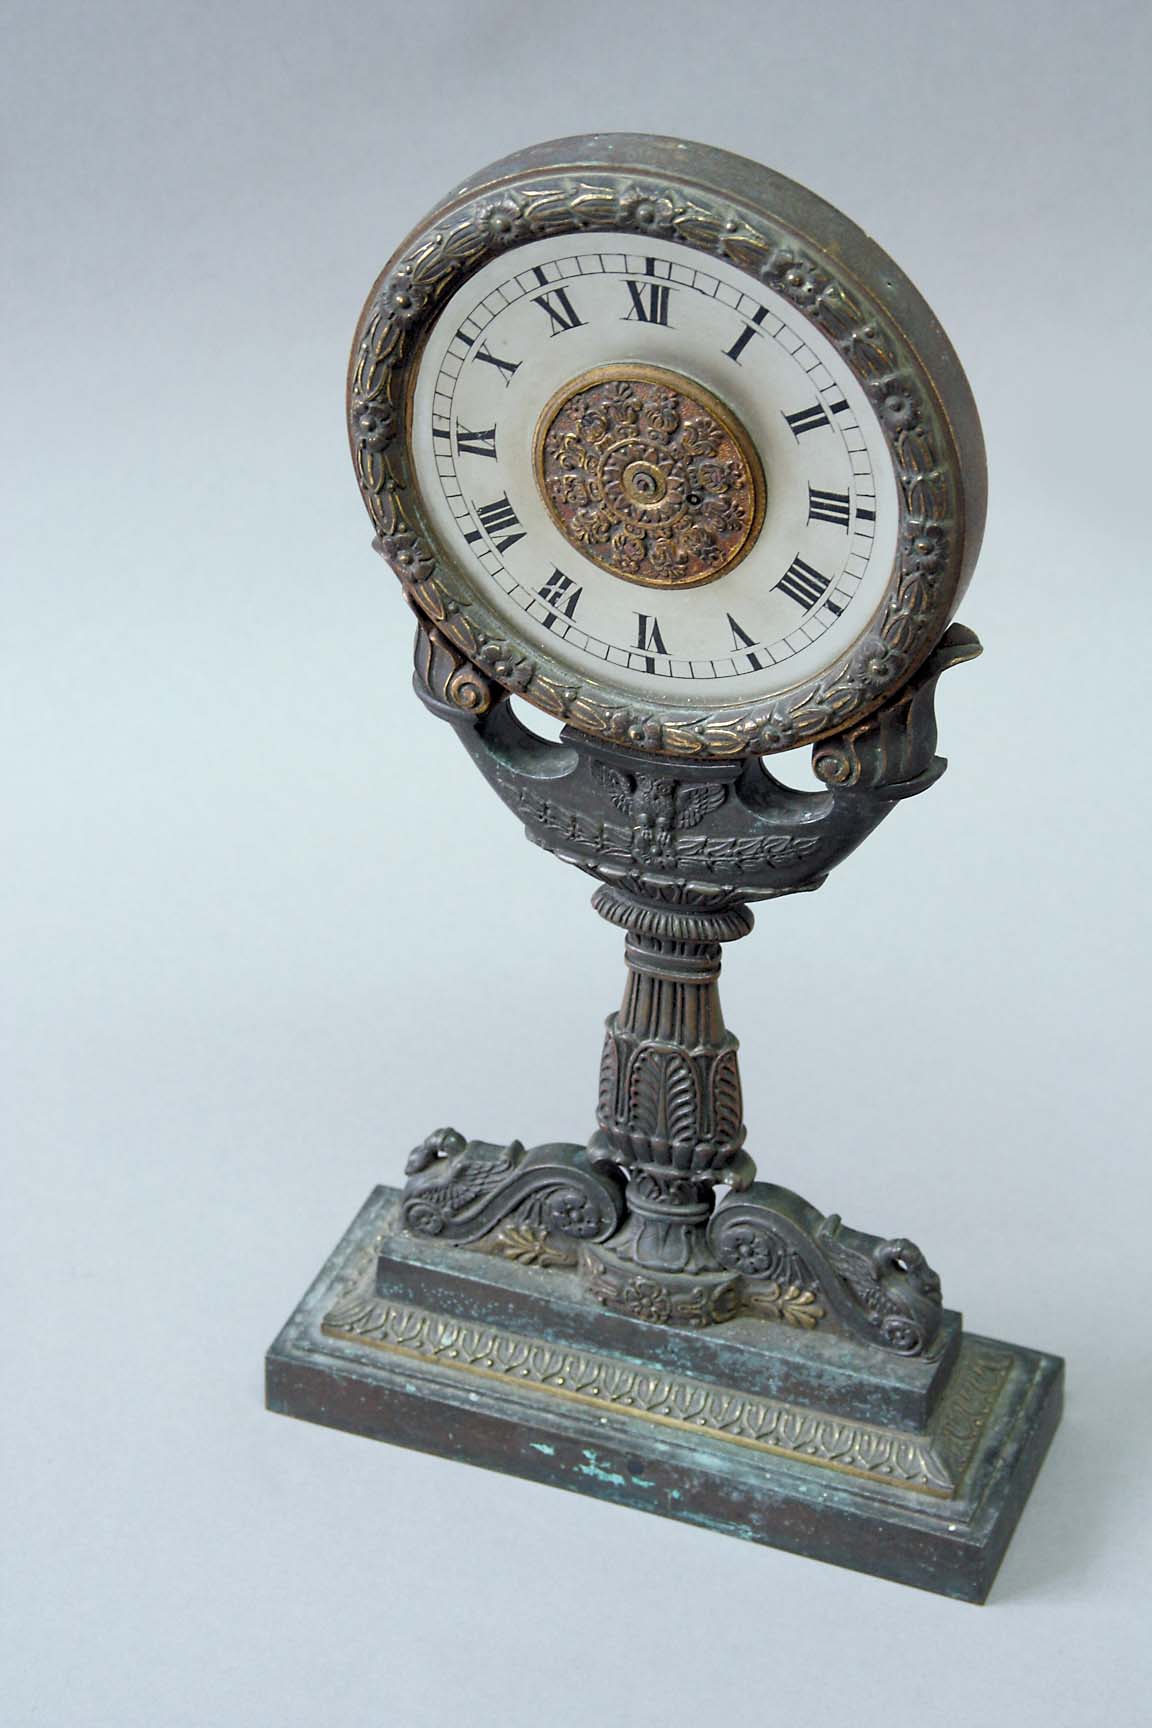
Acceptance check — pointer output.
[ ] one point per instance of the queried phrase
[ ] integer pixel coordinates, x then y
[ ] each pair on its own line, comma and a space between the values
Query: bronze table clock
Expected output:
660, 442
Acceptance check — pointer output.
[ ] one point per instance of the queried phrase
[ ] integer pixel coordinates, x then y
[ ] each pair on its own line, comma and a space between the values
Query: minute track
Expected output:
479, 374
497, 357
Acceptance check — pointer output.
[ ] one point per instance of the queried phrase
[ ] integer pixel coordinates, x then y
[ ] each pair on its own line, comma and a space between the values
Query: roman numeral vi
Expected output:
648, 636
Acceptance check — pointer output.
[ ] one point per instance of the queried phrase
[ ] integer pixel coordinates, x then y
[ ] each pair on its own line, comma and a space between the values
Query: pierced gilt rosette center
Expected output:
649, 476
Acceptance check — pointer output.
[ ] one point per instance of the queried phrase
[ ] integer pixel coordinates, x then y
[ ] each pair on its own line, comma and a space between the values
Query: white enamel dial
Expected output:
536, 318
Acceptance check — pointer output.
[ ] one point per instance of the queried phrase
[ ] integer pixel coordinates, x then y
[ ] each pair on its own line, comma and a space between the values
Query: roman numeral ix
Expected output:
496, 519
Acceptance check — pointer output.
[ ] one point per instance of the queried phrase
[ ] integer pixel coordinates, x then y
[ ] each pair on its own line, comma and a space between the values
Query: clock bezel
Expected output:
726, 206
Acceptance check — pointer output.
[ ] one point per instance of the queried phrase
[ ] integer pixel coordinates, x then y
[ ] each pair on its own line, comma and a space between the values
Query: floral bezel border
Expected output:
926, 579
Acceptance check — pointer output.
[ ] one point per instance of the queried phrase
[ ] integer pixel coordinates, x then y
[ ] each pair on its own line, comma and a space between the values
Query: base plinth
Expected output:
912, 1473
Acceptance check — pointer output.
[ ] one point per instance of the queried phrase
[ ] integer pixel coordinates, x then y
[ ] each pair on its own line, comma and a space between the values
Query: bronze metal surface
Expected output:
648, 475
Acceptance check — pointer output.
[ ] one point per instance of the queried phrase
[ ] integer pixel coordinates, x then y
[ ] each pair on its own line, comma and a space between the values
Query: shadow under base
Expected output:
913, 1471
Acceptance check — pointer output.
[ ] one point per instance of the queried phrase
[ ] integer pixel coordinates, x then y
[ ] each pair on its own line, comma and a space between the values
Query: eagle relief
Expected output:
657, 807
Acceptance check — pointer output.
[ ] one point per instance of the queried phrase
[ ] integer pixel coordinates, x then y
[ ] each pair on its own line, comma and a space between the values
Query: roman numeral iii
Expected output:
496, 519
828, 507
803, 584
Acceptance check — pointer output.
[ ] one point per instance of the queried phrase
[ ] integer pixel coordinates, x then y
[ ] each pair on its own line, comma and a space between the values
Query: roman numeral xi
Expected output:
560, 309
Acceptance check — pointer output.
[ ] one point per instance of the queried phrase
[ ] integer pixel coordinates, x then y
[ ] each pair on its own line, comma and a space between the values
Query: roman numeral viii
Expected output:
828, 507
560, 309
496, 519
649, 302
803, 584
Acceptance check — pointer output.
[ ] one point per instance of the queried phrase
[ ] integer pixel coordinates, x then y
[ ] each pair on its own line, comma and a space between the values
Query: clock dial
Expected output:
653, 468
662, 442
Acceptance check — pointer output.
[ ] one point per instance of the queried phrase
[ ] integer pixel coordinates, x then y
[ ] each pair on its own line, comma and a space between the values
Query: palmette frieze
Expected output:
932, 1463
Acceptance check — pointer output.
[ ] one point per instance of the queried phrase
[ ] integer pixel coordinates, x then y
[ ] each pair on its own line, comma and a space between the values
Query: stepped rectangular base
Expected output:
855, 1457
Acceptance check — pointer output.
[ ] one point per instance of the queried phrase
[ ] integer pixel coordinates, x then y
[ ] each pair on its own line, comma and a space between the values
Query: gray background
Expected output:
263, 926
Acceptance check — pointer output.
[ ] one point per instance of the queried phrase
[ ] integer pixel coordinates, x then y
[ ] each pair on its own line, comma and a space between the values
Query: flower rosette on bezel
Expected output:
832, 275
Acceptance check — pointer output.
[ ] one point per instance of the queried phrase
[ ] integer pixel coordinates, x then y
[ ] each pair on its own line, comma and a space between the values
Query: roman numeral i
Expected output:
746, 335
